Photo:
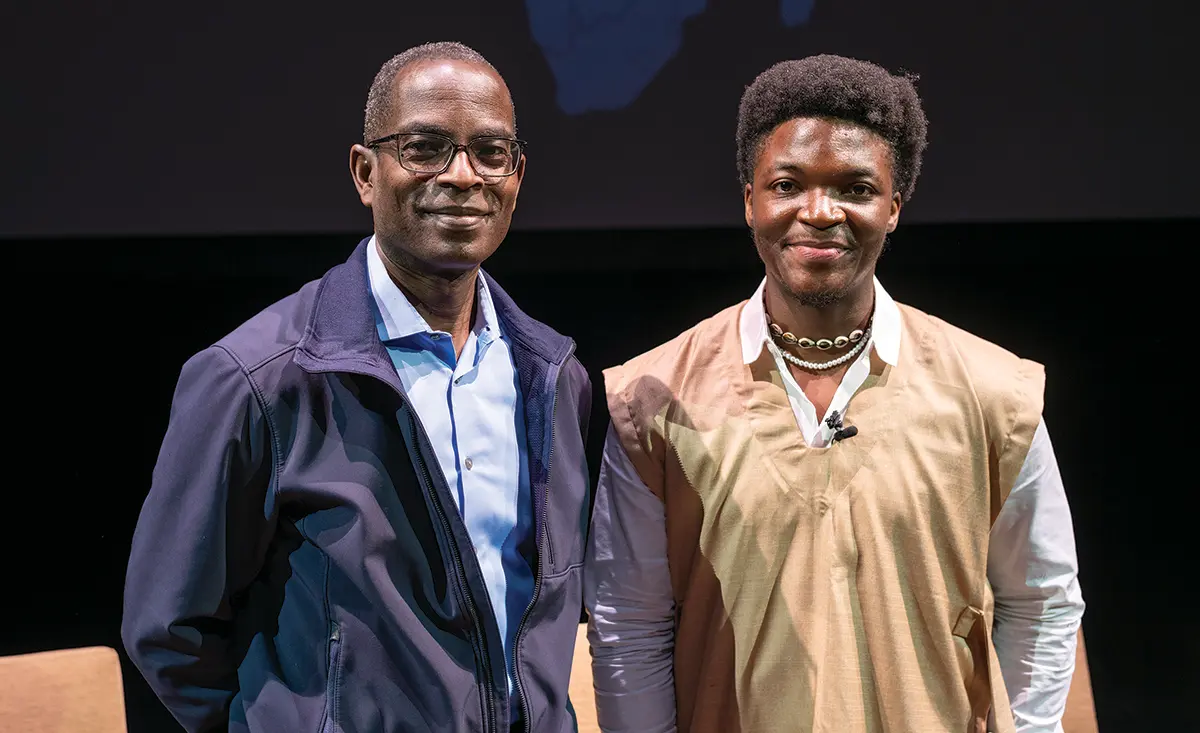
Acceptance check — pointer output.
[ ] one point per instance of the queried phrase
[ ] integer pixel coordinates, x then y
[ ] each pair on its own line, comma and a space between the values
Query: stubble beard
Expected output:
818, 299
823, 296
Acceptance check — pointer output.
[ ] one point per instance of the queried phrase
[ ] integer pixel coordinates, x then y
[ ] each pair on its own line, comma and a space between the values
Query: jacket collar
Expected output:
533, 335
341, 333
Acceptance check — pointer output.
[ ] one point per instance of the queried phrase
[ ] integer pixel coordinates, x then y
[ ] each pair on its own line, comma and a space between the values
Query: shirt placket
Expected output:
469, 363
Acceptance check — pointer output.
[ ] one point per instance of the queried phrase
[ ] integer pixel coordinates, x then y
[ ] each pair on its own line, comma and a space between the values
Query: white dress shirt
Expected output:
470, 407
1032, 566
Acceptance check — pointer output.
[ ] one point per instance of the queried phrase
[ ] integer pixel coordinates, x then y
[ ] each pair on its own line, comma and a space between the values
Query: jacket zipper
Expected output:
486, 700
333, 655
537, 582
479, 643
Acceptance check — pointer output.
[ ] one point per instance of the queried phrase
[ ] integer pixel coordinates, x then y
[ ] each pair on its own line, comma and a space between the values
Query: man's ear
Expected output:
362, 163
894, 215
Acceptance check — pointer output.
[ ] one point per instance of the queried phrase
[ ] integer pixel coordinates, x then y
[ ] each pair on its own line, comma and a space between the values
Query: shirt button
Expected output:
468, 463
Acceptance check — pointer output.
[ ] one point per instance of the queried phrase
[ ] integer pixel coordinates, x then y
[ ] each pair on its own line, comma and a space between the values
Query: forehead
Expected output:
812, 142
459, 96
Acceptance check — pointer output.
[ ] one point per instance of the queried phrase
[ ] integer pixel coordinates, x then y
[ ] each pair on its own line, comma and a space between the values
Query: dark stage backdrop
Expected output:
167, 170
143, 117
98, 329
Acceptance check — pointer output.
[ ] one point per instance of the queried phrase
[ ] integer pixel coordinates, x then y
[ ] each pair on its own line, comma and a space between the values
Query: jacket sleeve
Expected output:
585, 402
200, 541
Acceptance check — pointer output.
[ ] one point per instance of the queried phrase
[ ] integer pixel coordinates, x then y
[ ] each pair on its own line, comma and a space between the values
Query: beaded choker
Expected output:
858, 337
803, 342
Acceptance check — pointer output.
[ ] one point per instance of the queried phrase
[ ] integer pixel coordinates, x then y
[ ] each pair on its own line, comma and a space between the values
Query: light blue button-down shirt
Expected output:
471, 409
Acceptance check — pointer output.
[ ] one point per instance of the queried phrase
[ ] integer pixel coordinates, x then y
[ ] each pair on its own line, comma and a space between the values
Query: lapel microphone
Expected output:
834, 421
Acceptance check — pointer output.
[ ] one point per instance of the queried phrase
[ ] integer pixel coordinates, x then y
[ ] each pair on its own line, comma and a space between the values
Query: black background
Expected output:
98, 337
167, 175
141, 117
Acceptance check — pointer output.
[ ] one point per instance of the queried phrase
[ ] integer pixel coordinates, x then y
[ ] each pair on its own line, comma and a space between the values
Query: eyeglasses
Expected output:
430, 153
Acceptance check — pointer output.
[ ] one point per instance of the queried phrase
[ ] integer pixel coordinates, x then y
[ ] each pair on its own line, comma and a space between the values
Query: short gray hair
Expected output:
379, 99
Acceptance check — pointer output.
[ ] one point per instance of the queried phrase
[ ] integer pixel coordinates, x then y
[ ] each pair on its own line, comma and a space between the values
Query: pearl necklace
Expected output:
818, 366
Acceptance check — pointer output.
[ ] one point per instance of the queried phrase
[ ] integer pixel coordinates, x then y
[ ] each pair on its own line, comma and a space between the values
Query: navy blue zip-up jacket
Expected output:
299, 565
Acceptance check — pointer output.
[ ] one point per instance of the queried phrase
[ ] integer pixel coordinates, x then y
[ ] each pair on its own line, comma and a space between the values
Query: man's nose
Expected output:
460, 173
819, 210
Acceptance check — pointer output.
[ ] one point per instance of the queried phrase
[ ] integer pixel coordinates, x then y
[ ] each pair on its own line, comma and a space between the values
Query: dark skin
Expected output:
434, 231
820, 205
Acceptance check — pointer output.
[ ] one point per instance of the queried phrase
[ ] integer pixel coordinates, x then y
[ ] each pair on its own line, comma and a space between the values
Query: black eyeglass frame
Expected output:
521, 145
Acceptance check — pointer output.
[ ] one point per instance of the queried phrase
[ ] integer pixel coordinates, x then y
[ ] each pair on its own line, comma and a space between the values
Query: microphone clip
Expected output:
834, 421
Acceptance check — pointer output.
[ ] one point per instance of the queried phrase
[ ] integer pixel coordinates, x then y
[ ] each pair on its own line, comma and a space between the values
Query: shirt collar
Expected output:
885, 329
396, 318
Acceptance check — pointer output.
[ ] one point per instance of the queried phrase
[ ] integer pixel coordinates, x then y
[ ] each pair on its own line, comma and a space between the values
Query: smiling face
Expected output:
452, 221
820, 205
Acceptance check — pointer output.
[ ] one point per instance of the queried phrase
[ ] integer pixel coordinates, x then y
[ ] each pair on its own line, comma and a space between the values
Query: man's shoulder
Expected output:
1008, 390
996, 375
273, 332
534, 335
696, 348
939, 333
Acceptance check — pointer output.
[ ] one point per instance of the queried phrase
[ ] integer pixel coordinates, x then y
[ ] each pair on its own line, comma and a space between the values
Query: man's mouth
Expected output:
816, 244
817, 251
458, 211
457, 217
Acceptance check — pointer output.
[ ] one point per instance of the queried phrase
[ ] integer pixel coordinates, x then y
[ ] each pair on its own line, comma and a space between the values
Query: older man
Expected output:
821, 510
365, 514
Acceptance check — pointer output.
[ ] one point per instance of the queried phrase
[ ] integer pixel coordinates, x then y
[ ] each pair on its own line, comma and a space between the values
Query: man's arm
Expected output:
200, 540
627, 589
1033, 572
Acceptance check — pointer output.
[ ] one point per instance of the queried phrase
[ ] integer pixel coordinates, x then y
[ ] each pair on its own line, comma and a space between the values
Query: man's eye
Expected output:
861, 189
423, 148
491, 152
784, 186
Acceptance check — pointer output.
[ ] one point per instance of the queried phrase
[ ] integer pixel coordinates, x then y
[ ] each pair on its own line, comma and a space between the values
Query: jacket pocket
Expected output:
972, 644
333, 672
566, 522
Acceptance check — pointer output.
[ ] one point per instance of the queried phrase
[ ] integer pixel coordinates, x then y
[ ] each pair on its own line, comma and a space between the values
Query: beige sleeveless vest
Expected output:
839, 589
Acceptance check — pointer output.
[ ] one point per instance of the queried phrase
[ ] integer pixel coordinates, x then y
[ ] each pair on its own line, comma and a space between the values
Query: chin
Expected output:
815, 291
462, 253
819, 298
427, 252
807, 281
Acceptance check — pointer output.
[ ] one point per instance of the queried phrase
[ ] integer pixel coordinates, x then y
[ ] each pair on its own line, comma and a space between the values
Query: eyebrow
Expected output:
440, 130
849, 173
